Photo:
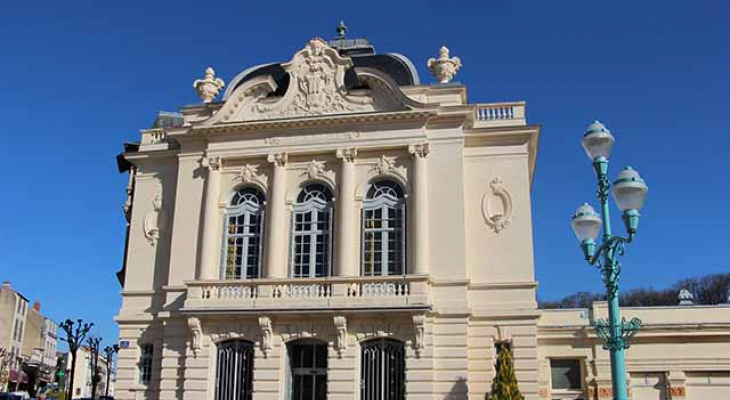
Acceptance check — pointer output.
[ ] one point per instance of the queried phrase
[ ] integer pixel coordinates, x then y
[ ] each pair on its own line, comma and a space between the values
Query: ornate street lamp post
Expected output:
629, 191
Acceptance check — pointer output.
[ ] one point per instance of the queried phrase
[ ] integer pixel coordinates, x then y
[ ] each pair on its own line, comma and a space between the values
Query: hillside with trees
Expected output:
708, 289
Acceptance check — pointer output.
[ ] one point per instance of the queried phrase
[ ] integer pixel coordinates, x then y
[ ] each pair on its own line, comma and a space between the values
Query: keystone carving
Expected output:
315, 169
384, 165
248, 174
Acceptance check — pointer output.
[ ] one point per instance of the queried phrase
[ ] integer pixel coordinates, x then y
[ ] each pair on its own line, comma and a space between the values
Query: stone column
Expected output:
346, 218
276, 231
209, 258
420, 208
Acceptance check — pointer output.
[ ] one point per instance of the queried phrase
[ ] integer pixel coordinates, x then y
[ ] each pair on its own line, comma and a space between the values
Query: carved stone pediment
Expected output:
316, 87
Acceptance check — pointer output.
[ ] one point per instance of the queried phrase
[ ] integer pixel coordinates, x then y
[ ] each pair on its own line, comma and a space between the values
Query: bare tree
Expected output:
94, 344
109, 352
75, 335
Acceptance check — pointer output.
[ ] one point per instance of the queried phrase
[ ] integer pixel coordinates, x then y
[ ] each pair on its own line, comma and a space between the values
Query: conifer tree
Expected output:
504, 386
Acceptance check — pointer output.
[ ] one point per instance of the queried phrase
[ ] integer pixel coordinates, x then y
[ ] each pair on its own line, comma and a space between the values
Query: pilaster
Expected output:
275, 231
209, 259
346, 264
420, 205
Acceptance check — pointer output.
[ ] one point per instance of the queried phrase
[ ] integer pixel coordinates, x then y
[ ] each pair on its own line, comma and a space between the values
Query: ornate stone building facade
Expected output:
331, 228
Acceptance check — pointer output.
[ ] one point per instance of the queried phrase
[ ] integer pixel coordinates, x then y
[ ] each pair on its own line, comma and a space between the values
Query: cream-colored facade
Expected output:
681, 352
463, 279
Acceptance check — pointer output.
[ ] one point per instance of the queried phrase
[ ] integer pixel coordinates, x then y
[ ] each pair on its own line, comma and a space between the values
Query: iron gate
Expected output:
383, 370
234, 373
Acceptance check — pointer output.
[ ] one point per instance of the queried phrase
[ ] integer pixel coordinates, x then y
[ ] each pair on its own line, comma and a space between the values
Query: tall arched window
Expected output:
383, 230
311, 243
244, 226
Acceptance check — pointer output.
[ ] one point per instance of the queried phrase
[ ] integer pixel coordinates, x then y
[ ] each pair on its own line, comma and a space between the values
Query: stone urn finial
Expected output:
685, 297
444, 68
208, 87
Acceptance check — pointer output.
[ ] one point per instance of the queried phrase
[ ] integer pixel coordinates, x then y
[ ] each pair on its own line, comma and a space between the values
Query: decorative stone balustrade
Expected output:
499, 114
309, 293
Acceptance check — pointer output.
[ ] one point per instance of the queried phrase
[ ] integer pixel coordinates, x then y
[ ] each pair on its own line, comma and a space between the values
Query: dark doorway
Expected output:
308, 366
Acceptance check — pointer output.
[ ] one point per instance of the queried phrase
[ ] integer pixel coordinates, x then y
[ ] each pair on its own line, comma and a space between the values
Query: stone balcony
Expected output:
309, 294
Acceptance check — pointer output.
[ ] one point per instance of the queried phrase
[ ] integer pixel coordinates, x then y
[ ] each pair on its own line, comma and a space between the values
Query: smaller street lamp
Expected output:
629, 192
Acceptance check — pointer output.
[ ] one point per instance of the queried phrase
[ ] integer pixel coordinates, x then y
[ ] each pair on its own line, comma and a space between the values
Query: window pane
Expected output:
565, 374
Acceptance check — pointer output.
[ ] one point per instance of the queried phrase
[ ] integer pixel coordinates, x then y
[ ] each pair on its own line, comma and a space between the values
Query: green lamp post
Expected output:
629, 192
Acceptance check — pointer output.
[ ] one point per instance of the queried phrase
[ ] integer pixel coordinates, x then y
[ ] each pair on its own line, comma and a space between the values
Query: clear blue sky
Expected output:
79, 78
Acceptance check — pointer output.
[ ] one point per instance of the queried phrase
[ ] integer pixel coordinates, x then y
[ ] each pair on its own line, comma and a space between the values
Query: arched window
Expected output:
244, 227
383, 370
383, 230
234, 371
311, 243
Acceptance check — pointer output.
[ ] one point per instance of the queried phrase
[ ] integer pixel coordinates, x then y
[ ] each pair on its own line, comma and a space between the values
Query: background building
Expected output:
334, 228
31, 340
83, 376
39, 349
13, 311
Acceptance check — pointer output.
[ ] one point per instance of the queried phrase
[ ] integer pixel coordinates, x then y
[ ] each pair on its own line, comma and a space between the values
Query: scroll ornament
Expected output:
154, 221
497, 220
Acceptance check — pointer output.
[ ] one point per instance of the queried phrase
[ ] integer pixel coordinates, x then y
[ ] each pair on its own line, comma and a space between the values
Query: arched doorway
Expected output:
308, 370
234, 372
383, 370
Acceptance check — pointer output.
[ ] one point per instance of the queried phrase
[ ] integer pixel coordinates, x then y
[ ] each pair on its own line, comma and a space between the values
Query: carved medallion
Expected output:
497, 206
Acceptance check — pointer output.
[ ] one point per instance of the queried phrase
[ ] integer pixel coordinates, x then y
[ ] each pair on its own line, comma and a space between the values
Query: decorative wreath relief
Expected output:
498, 218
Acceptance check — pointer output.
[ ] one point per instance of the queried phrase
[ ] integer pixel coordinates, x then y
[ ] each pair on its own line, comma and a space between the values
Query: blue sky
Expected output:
80, 78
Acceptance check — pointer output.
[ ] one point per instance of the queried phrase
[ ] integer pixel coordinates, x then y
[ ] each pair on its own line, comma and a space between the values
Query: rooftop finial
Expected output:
208, 87
341, 30
444, 67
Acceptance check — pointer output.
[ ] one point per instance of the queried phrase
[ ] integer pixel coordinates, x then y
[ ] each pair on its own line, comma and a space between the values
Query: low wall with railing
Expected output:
499, 114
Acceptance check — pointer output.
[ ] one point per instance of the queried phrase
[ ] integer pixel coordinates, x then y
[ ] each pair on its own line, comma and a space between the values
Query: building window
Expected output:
383, 230
565, 374
383, 370
311, 243
243, 235
234, 371
308, 370
145, 363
